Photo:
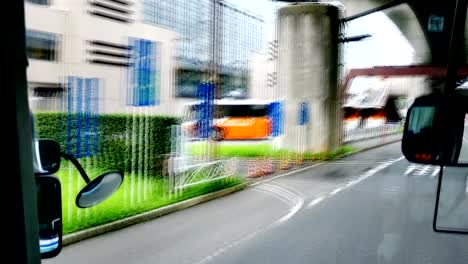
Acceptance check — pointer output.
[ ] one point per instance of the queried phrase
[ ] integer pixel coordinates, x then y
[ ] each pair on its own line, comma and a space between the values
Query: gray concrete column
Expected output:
308, 72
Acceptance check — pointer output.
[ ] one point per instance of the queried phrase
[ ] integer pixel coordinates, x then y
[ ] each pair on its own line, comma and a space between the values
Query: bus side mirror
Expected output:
49, 205
433, 130
47, 157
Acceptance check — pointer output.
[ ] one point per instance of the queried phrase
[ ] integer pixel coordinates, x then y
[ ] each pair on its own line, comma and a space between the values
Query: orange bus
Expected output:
236, 119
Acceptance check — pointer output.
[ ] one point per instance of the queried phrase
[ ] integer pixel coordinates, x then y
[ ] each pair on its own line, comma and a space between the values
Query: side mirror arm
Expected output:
77, 165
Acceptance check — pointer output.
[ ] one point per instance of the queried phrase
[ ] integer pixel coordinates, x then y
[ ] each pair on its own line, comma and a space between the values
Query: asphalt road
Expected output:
372, 207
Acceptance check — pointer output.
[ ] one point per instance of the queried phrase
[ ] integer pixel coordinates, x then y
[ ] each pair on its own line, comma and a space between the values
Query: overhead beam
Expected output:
374, 10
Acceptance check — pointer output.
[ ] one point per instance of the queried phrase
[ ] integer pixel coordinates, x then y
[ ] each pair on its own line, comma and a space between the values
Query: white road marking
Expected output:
418, 170
353, 162
410, 168
288, 173
290, 197
293, 199
423, 171
364, 176
435, 172
316, 201
337, 190
351, 183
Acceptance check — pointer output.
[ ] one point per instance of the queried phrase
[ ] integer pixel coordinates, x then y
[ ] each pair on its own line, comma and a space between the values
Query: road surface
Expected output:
372, 207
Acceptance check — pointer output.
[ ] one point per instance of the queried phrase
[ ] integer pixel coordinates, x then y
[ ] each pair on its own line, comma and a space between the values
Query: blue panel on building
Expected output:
144, 74
82, 119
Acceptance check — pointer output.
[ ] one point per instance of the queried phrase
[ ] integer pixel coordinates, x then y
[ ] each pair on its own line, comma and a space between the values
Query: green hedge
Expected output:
131, 143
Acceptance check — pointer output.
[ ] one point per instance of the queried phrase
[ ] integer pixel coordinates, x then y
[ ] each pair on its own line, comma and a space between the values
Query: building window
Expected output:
239, 37
47, 92
41, 45
39, 2
46, 97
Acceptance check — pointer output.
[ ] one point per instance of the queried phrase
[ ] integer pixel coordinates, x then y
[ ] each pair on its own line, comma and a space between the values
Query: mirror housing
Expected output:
48, 156
433, 130
49, 206
421, 131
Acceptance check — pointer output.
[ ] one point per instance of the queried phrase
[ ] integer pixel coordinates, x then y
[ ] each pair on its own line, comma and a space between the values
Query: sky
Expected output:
387, 46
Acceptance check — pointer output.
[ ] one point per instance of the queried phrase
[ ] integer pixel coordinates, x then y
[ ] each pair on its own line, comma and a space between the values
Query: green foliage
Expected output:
125, 202
267, 150
339, 153
235, 150
127, 142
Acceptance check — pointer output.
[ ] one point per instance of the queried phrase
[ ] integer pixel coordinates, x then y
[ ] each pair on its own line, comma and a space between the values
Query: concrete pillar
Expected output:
308, 72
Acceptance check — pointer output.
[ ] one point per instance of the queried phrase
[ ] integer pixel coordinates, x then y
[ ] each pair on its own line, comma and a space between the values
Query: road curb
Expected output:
373, 137
146, 216
373, 147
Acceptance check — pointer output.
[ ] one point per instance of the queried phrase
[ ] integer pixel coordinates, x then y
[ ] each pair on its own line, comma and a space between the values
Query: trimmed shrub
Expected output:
131, 143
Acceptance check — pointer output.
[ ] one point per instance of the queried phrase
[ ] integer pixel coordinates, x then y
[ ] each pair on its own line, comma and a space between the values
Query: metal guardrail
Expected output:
370, 132
184, 172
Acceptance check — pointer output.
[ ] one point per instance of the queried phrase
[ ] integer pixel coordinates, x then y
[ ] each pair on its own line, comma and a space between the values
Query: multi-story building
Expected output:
118, 55
98, 56
236, 38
